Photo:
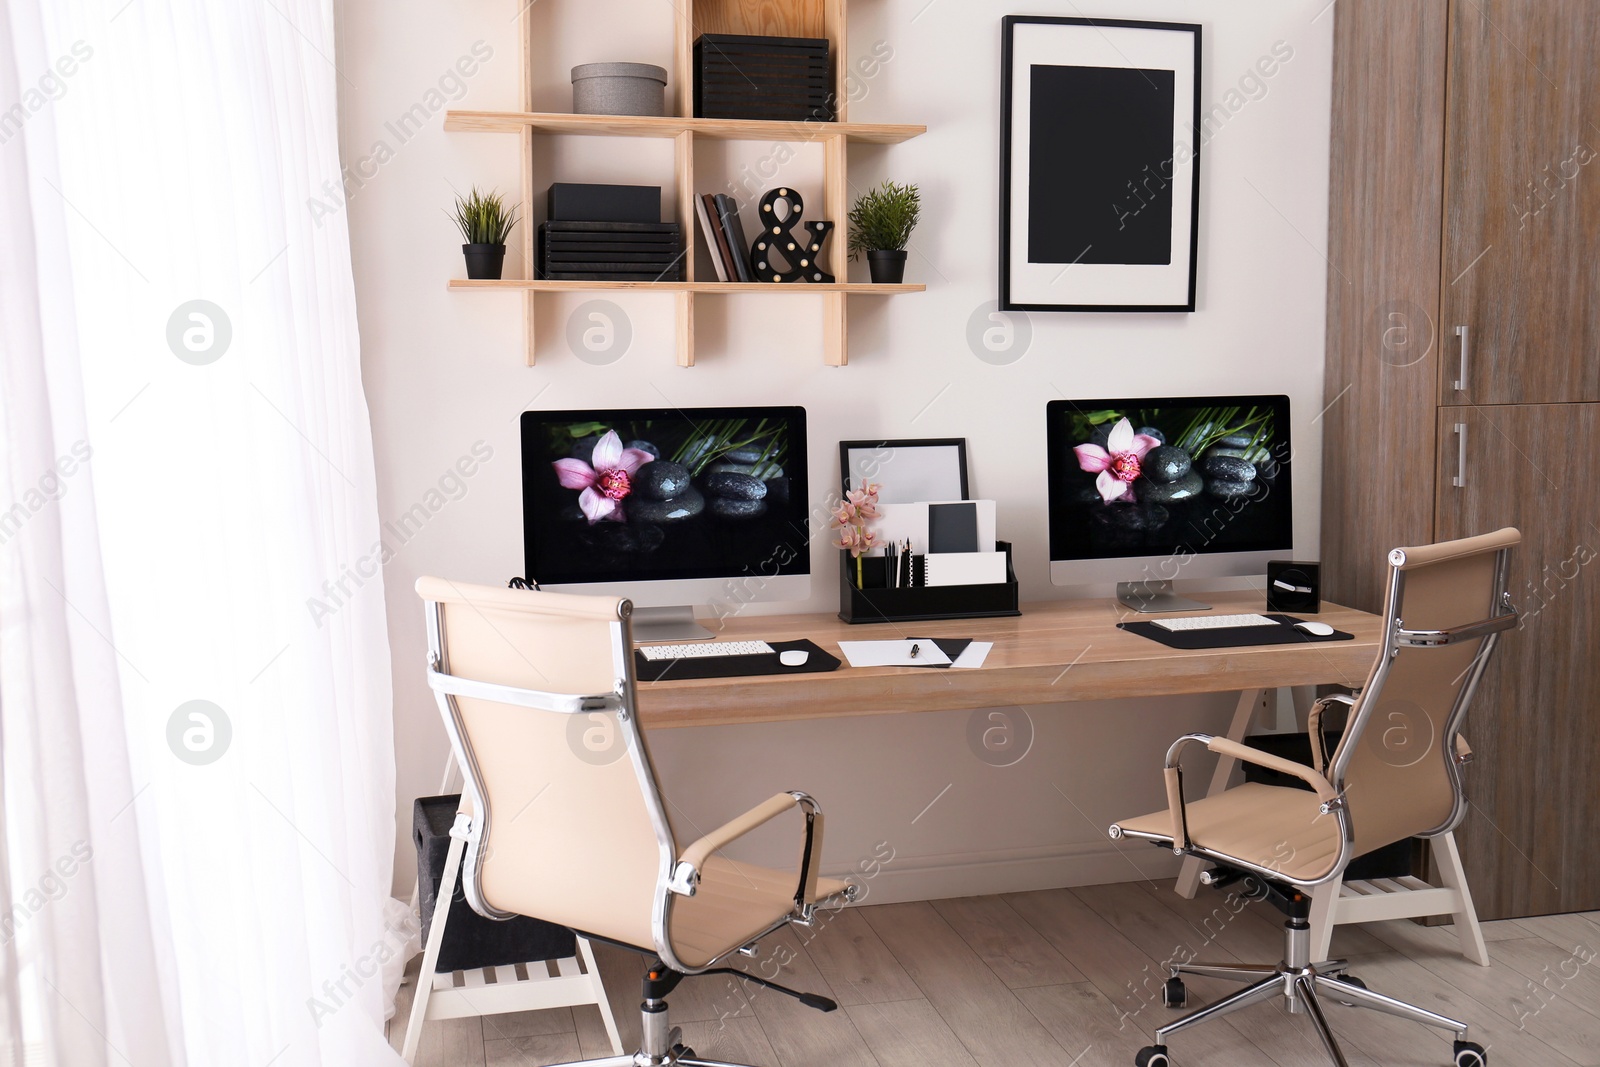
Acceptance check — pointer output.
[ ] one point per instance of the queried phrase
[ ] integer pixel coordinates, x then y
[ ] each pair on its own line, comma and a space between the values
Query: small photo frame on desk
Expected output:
908, 471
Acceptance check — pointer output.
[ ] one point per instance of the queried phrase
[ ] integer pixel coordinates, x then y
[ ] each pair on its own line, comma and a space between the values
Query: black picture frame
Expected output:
884, 450
1127, 275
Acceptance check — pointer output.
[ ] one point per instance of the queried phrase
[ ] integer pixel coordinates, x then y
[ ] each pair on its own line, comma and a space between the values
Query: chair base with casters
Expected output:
661, 1044
1300, 981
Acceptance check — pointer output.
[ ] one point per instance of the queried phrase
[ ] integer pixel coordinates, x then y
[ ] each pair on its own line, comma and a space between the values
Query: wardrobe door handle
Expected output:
1461, 378
1460, 480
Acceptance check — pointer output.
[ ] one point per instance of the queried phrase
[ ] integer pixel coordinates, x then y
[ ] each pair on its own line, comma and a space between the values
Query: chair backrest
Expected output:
568, 825
1397, 762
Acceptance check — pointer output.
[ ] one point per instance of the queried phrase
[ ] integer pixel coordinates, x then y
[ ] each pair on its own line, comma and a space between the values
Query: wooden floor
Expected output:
1072, 977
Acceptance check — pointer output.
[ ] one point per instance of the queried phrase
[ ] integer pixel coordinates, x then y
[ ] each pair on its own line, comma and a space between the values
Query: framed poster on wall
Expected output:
1099, 164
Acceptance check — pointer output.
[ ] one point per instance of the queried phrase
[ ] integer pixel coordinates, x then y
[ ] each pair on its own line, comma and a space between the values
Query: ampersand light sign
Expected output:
801, 254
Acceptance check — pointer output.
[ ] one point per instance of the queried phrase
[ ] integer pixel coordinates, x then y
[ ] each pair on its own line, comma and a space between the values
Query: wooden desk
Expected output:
1056, 651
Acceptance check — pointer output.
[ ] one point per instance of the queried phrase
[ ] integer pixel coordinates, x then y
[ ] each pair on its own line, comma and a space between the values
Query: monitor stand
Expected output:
652, 626
1153, 597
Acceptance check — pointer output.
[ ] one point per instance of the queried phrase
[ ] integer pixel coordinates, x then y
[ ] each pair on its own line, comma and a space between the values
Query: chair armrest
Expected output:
1319, 755
686, 876
1224, 747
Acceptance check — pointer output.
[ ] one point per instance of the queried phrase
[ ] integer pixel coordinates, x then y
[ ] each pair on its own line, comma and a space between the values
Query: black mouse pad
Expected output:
670, 670
1281, 632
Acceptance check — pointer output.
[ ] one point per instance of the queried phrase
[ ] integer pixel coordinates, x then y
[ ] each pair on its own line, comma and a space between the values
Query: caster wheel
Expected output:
682, 1052
1173, 994
1471, 1054
1353, 980
1152, 1056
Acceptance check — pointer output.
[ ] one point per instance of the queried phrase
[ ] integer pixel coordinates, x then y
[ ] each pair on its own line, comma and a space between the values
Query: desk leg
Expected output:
1249, 701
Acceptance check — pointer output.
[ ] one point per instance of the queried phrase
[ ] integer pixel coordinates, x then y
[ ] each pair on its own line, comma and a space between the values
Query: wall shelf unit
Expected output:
538, 285
791, 18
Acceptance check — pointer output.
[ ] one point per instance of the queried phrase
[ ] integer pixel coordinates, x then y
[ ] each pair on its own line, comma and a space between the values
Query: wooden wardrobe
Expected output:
1463, 378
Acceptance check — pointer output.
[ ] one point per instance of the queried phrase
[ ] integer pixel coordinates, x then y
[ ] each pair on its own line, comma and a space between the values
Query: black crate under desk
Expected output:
878, 603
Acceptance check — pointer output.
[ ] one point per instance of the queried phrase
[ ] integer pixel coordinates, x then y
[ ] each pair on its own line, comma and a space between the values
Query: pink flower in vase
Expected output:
863, 502
1118, 464
606, 480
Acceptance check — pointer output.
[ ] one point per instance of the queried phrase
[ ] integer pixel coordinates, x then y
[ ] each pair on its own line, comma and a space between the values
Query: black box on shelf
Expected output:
577, 250
877, 603
746, 77
582, 202
470, 940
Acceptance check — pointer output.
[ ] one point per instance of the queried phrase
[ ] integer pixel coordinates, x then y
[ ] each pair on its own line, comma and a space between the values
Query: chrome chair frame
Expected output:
1299, 979
661, 1045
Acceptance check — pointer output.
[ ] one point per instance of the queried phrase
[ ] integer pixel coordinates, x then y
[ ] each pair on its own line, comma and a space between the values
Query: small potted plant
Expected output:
880, 225
484, 223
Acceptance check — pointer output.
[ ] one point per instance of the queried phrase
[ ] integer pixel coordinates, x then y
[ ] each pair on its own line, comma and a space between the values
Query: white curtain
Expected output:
195, 720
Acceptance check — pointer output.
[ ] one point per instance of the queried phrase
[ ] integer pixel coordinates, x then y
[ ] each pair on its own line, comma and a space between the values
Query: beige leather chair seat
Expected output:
736, 902
1271, 826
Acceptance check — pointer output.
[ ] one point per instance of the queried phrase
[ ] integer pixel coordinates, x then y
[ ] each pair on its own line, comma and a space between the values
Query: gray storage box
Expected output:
619, 89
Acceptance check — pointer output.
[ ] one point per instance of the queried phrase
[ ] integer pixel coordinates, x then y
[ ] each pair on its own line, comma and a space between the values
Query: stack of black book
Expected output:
742, 77
609, 233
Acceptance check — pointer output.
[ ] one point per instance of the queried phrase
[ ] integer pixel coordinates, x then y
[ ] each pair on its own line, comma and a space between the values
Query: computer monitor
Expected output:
1147, 490
674, 508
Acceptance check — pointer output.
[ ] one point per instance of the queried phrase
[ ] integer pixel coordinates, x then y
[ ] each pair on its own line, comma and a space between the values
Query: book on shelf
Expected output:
712, 233
739, 248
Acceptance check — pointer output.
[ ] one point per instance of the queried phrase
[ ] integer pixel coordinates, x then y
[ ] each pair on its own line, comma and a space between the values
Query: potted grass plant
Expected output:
484, 222
880, 225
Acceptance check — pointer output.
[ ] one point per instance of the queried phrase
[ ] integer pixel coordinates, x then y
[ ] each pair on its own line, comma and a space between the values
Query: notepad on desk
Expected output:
922, 653
964, 568
917, 652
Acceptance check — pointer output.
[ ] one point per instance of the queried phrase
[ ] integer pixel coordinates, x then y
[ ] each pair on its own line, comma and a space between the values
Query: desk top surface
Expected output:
1057, 650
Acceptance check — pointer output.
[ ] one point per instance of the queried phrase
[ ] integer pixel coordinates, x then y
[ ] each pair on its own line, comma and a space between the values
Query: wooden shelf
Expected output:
669, 126
798, 288
780, 18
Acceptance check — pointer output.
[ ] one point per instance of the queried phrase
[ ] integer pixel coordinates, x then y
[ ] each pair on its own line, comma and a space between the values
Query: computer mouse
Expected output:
1315, 629
794, 657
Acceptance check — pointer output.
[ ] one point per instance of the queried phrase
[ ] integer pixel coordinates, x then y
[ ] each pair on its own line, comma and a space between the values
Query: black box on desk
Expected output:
470, 940
877, 603
579, 202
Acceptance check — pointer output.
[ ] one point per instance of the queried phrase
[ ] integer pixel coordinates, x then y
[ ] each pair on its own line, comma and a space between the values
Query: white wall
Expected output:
444, 372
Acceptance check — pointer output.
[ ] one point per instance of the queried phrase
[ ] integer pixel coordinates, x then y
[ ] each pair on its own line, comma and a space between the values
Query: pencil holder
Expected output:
878, 603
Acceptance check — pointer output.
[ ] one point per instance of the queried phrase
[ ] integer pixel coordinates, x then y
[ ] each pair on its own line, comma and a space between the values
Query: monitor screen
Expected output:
1159, 476
664, 494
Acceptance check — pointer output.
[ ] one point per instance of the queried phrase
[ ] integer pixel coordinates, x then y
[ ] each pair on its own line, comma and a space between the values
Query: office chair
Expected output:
1395, 774
562, 816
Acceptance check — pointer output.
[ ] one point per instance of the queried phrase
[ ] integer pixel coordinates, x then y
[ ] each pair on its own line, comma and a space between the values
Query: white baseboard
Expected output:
1017, 870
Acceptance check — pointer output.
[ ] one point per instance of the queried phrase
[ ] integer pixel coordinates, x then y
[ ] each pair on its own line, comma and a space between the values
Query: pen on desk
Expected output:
914, 650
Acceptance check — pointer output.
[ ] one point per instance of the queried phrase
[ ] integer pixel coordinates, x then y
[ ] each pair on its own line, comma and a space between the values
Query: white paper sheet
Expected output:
892, 653
973, 655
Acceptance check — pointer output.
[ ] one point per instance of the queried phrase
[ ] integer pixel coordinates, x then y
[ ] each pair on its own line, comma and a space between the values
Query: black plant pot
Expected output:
484, 262
888, 266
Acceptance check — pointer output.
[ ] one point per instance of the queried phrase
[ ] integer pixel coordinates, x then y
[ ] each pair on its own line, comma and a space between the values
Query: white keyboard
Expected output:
1214, 622
705, 649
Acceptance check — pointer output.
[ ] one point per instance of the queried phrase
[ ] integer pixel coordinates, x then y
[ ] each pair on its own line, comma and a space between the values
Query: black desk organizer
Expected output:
876, 603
